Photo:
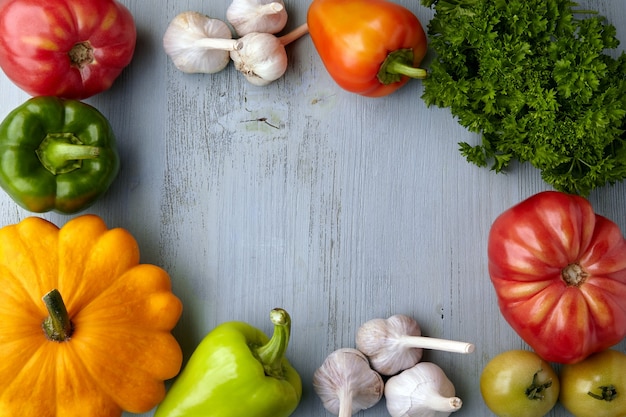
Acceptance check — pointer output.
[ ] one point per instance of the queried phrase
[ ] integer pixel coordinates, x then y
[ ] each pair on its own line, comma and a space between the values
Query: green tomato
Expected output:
596, 386
518, 383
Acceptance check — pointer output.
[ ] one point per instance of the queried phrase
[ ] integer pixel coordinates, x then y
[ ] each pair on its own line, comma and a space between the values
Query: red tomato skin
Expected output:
353, 38
529, 247
37, 35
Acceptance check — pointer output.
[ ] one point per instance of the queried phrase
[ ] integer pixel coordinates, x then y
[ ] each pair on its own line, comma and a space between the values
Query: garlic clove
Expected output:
395, 344
197, 43
346, 384
248, 16
423, 390
262, 58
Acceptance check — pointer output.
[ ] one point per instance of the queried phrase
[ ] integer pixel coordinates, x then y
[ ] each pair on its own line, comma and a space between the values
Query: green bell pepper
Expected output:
235, 371
56, 154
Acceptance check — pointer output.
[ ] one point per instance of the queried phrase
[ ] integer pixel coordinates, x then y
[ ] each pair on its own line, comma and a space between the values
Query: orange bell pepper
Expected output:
369, 47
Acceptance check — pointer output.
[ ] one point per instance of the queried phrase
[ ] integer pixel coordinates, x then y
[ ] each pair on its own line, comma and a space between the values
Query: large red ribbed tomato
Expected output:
559, 271
66, 48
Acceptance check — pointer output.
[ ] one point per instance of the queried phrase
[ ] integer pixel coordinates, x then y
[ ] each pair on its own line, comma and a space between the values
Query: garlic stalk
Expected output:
262, 58
395, 344
265, 16
421, 391
197, 43
346, 384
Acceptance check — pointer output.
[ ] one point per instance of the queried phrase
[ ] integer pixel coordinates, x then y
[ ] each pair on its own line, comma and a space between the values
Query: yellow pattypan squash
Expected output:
85, 329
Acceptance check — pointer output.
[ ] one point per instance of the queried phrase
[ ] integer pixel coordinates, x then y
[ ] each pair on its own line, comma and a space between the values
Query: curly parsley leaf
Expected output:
535, 80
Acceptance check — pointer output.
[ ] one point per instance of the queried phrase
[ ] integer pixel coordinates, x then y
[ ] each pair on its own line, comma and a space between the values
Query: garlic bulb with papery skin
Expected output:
346, 384
421, 391
395, 344
262, 59
197, 43
266, 16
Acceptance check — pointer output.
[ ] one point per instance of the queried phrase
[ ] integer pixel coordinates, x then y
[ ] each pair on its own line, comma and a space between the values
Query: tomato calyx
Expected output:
399, 64
608, 393
574, 275
536, 389
81, 54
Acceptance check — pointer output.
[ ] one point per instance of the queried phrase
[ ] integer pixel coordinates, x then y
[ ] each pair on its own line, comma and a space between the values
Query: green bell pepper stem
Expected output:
271, 354
57, 326
397, 65
61, 153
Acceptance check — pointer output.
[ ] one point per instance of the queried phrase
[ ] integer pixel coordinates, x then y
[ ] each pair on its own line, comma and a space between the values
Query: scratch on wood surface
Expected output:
261, 120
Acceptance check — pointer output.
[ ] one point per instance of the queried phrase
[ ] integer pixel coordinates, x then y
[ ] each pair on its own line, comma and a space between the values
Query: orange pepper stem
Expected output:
399, 64
294, 35
57, 326
272, 353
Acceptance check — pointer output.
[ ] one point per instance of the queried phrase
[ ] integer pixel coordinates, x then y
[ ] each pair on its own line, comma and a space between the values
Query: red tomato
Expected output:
66, 48
559, 271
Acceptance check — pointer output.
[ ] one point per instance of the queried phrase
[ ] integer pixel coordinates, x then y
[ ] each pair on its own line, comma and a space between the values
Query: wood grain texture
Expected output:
336, 207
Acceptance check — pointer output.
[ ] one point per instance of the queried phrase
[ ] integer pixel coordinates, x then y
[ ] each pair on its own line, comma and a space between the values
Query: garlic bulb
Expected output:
346, 384
197, 43
262, 57
266, 16
395, 344
421, 391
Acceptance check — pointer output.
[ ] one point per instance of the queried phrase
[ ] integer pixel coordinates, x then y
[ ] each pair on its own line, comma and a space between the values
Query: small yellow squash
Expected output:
85, 329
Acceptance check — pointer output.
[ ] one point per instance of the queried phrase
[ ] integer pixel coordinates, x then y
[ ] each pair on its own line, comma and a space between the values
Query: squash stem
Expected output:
272, 353
57, 326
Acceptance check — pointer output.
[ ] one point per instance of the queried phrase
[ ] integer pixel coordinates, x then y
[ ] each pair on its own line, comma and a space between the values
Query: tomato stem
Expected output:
399, 64
574, 275
272, 353
57, 326
81, 55
608, 393
536, 389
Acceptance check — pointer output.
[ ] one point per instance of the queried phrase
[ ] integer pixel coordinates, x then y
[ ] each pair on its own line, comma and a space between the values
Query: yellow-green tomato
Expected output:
518, 383
596, 386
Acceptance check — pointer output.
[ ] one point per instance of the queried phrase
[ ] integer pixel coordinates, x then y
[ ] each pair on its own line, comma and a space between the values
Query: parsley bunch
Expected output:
535, 79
